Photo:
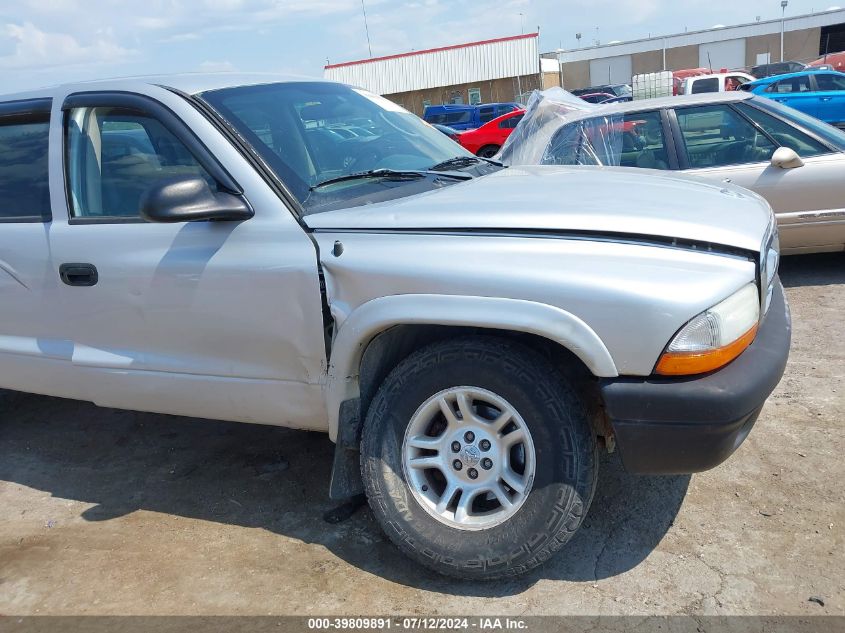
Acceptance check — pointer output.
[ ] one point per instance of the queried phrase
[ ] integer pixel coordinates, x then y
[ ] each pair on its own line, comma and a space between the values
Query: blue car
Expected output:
466, 117
819, 93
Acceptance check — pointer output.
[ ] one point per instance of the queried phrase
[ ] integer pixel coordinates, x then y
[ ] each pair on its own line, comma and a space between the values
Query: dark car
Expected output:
616, 90
451, 132
596, 97
780, 68
623, 99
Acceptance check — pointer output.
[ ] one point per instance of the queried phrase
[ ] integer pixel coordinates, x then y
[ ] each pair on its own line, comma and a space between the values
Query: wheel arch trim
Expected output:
364, 323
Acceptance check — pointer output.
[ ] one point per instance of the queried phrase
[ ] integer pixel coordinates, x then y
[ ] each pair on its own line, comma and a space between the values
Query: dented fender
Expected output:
364, 323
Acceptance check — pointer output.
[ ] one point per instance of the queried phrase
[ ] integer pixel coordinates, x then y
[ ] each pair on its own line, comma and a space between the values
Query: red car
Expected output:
487, 140
835, 60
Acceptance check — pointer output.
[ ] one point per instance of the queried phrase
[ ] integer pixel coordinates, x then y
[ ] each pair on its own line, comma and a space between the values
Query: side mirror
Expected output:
786, 158
190, 199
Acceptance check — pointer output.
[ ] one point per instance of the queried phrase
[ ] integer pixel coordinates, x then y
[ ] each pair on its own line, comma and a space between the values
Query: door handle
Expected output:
78, 274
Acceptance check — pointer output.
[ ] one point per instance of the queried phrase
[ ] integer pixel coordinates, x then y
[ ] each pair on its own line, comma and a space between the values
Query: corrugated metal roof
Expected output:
446, 66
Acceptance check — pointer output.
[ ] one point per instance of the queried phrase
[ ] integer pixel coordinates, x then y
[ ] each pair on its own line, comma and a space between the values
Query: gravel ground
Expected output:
114, 512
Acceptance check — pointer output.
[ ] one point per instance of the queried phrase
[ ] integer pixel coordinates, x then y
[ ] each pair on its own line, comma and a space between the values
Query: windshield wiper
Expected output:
463, 161
391, 174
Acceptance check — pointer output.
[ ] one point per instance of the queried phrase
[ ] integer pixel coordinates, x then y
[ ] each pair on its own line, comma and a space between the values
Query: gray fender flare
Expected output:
365, 322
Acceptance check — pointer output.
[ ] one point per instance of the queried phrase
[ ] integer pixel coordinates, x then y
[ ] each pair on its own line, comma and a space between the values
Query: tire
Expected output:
488, 151
564, 461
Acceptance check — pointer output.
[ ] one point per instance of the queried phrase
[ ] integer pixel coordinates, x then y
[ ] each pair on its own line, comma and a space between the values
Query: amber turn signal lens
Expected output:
691, 363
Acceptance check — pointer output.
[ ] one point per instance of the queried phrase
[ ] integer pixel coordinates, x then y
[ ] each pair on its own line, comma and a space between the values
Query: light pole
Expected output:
783, 5
366, 28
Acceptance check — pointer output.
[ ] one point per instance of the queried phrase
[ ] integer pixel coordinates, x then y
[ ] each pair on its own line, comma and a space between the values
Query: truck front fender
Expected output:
365, 322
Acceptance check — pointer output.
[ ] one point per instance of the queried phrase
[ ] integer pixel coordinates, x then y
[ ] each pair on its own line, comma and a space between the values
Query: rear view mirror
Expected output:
786, 158
190, 199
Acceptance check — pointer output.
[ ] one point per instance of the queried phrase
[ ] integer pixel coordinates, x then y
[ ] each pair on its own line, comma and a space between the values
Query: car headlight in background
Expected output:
715, 337
770, 263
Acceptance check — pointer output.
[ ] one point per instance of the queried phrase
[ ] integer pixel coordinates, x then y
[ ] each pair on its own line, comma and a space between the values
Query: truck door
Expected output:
215, 319
27, 338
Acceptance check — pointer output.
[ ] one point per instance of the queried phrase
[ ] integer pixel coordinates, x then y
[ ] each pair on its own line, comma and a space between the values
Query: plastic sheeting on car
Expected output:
560, 129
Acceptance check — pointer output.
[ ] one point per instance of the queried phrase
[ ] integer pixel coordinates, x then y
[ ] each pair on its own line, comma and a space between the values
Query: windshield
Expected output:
314, 132
827, 133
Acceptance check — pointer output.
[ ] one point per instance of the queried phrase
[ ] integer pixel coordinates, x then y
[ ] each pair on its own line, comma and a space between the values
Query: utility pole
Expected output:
366, 28
783, 5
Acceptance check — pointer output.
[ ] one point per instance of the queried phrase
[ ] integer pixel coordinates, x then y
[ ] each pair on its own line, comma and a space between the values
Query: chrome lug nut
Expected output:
469, 436
457, 465
456, 447
473, 474
487, 463
485, 445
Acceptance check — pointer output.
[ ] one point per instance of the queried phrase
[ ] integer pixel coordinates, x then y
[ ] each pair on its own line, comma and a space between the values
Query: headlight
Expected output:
771, 260
715, 337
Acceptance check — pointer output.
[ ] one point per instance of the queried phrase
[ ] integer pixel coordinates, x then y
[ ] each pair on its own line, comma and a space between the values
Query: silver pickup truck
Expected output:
310, 255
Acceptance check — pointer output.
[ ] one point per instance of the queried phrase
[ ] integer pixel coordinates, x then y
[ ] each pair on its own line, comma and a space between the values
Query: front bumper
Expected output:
691, 424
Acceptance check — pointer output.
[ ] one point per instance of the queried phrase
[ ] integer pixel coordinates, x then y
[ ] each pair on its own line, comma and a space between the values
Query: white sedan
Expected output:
794, 161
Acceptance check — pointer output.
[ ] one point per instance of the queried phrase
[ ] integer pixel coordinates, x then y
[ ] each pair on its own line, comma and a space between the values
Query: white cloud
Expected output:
34, 48
217, 67
180, 37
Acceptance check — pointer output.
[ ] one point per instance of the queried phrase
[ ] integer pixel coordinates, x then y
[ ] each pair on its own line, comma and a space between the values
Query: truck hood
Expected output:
579, 199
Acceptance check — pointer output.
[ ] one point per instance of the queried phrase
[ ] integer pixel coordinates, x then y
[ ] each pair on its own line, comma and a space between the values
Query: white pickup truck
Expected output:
305, 254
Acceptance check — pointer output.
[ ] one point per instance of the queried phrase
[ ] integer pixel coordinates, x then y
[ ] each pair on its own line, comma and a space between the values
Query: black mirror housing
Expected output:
190, 199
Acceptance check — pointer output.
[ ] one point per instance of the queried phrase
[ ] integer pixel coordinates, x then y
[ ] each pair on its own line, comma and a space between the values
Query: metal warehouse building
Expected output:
504, 69
509, 68
806, 38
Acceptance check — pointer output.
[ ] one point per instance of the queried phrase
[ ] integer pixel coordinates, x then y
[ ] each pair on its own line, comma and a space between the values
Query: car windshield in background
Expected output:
315, 132
825, 132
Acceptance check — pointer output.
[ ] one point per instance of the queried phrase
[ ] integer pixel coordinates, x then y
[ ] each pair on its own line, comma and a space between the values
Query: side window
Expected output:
829, 83
569, 147
474, 96
710, 84
785, 134
641, 142
486, 114
794, 84
716, 136
24, 190
115, 155
635, 140
456, 117
511, 123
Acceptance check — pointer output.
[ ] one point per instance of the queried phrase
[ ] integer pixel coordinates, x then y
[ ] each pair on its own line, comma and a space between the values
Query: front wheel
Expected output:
478, 458
488, 151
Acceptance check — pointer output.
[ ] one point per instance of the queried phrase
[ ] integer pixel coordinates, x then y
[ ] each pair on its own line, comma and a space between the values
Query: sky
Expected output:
44, 42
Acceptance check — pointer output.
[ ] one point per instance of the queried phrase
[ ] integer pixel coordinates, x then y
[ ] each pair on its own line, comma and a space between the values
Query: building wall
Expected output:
681, 57
576, 75
551, 80
798, 45
492, 91
648, 62
801, 45
447, 66
737, 45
